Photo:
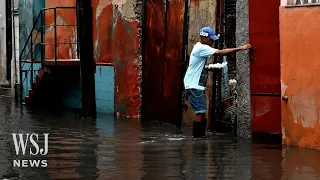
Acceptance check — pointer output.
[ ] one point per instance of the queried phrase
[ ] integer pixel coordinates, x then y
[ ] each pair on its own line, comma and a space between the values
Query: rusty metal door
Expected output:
163, 47
265, 66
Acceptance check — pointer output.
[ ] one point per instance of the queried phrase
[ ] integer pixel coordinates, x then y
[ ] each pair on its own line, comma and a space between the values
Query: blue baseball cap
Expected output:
208, 32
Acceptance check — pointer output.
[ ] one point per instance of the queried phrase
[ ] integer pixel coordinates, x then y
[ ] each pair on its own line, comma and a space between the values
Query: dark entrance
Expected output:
163, 54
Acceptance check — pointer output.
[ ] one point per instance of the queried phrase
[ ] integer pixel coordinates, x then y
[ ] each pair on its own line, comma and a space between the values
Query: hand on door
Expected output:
246, 47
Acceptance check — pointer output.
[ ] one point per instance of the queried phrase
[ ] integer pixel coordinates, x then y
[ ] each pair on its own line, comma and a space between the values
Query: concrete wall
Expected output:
300, 66
117, 40
3, 57
104, 80
243, 71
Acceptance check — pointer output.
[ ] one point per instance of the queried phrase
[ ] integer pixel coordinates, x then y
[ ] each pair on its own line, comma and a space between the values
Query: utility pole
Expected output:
84, 10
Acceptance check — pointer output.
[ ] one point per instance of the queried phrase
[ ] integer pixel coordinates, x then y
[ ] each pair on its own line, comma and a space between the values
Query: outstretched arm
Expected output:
233, 50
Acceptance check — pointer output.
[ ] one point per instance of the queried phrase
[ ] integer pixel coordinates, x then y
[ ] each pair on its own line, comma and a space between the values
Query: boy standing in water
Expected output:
196, 76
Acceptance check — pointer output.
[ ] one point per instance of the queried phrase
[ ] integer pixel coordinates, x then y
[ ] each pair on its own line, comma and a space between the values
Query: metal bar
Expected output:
77, 23
41, 41
31, 73
58, 7
25, 45
55, 36
14, 44
52, 25
20, 84
43, 33
58, 43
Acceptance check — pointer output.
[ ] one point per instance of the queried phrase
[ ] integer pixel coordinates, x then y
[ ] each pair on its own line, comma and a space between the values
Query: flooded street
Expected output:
121, 149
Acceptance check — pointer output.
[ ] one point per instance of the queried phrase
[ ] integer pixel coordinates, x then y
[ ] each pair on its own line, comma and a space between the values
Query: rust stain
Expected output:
117, 41
127, 78
153, 63
172, 72
102, 31
299, 70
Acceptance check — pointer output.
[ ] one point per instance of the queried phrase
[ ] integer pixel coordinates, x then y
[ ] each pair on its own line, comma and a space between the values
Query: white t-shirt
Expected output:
196, 75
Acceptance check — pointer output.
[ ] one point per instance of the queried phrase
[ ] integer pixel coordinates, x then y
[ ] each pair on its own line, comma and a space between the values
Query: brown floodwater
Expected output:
108, 148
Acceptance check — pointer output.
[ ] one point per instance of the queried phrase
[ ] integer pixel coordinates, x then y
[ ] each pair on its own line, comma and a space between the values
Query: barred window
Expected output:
300, 2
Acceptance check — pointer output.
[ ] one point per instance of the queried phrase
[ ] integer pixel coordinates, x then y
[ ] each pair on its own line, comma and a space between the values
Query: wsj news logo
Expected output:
21, 141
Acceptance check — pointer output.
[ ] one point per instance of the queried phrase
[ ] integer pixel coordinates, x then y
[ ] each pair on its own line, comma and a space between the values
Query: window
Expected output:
300, 2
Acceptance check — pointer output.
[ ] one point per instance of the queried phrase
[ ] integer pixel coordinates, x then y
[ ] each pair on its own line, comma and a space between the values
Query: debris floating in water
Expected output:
217, 65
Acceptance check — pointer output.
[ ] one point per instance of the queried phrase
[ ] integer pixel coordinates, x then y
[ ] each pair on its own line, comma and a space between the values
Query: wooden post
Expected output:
86, 58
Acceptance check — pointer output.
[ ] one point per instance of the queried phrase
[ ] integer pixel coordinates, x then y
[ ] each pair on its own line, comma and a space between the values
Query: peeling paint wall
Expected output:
299, 75
66, 35
117, 40
201, 13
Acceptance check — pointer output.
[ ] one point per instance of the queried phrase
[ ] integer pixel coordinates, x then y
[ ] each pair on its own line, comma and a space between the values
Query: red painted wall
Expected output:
65, 34
299, 29
117, 41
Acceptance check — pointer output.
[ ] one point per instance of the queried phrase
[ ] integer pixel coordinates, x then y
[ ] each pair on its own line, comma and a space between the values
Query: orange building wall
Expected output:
300, 68
65, 34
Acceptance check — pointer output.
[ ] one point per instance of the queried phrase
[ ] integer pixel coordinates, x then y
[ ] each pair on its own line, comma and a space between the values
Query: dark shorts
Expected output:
197, 99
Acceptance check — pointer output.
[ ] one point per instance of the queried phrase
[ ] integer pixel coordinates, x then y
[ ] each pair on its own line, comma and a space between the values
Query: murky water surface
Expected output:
120, 149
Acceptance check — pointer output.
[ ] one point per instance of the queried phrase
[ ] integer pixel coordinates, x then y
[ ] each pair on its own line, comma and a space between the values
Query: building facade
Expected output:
299, 66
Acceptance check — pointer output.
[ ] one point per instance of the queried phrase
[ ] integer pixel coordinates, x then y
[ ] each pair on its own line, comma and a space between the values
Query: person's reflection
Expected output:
199, 159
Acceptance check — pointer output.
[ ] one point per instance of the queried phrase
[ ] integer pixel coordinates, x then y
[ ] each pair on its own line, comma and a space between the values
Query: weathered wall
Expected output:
28, 12
201, 13
299, 75
65, 34
117, 40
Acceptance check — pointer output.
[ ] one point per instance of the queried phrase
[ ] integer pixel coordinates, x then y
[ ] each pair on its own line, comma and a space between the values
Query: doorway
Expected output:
163, 54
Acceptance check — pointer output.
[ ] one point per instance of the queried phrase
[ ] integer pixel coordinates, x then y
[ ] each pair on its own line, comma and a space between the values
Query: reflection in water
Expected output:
106, 148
